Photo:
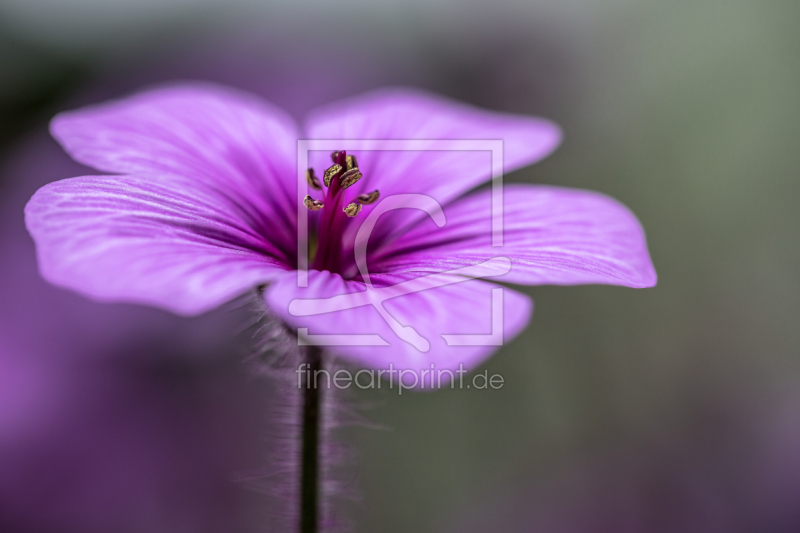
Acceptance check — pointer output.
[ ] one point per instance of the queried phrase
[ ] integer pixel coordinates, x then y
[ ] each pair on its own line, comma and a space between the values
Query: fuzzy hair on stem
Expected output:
300, 494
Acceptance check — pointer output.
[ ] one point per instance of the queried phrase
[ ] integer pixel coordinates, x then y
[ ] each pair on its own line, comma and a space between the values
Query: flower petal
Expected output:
222, 137
553, 236
461, 308
406, 114
163, 241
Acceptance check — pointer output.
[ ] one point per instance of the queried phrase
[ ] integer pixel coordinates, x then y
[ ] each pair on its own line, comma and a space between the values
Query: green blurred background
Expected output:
668, 409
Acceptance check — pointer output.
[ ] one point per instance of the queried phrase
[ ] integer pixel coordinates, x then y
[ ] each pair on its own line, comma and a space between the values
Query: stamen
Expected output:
311, 204
352, 209
368, 197
329, 253
350, 177
312, 180
332, 171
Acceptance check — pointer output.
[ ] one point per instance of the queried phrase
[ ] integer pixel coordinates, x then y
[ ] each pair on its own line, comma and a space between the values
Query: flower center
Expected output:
335, 211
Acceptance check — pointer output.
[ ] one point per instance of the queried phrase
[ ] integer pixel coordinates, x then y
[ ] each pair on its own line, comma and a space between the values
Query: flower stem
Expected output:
309, 460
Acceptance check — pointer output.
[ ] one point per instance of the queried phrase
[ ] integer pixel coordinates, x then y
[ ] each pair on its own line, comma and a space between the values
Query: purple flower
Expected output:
203, 206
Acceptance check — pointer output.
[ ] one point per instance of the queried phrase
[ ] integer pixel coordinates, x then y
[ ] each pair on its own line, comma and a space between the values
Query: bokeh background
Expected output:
673, 409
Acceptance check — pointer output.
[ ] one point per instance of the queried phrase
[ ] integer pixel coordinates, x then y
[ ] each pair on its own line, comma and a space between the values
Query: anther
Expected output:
330, 173
311, 204
349, 178
352, 209
368, 197
352, 162
312, 180
335, 156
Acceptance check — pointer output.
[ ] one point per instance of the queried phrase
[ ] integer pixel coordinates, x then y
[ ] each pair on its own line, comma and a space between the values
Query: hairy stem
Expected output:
309, 459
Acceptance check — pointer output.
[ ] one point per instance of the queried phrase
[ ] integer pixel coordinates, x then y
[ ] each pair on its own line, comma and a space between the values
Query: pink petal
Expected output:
553, 235
163, 241
408, 114
405, 114
461, 308
222, 137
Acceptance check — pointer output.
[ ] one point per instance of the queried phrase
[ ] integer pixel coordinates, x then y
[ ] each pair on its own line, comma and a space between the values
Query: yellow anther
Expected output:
311, 204
330, 173
368, 197
352, 209
312, 180
349, 178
